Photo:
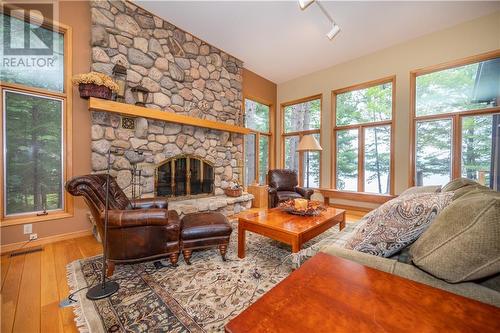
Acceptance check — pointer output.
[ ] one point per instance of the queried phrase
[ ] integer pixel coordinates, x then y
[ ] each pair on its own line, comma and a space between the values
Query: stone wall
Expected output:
184, 75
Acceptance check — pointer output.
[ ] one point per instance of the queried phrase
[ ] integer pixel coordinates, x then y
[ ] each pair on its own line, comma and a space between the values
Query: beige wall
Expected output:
75, 14
467, 39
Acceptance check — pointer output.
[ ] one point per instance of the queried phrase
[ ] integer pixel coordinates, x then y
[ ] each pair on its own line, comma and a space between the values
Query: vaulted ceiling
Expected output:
280, 42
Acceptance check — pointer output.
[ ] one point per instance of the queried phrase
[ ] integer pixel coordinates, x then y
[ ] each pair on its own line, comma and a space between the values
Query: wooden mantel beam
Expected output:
96, 104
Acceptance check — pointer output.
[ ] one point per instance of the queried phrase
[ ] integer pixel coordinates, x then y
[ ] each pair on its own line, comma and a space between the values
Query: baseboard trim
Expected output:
7, 248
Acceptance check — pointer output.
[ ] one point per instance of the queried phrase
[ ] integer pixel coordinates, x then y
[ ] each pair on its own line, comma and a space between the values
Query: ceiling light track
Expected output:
303, 4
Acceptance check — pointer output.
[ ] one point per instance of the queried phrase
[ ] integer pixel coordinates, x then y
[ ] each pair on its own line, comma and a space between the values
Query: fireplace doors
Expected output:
184, 176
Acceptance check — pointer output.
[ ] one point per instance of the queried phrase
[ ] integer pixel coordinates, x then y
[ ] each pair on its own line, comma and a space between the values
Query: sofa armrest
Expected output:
150, 203
305, 192
142, 217
380, 263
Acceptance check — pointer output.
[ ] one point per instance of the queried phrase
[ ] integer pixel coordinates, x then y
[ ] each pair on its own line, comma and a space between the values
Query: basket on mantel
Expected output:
93, 90
95, 84
233, 192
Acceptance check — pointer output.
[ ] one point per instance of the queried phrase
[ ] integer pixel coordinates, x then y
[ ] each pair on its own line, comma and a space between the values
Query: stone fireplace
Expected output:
186, 76
184, 176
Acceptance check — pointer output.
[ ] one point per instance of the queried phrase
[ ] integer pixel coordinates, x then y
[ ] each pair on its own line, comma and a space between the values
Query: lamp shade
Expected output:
309, 143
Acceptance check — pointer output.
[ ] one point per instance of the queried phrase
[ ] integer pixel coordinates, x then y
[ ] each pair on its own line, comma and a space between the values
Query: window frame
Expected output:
67, 133
361, 195
269, 135
456, 117
300, 134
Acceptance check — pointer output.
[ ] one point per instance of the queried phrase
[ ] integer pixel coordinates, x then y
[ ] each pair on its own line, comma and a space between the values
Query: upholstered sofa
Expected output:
460, 250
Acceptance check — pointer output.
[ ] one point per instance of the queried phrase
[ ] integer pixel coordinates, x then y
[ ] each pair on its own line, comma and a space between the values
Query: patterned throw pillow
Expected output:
397, 223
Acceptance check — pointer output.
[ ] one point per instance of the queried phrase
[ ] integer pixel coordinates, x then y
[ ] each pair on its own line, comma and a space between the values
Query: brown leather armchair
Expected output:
283, 185
138, 231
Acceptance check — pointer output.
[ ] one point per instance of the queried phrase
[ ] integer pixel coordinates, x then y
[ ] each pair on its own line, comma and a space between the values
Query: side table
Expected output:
260, 195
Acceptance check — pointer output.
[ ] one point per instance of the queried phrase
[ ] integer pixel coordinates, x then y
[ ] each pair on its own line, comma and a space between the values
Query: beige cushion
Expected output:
470, 190
458, 183
422, 189
397, 223
463, 243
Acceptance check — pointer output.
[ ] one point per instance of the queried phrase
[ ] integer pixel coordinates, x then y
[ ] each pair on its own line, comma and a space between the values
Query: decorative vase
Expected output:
92, 90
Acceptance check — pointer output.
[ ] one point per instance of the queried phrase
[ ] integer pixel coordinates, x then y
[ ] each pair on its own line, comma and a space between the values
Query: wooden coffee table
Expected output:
331, 294
287, 228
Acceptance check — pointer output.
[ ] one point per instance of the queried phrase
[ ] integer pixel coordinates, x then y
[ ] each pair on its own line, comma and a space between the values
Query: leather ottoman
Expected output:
204, 230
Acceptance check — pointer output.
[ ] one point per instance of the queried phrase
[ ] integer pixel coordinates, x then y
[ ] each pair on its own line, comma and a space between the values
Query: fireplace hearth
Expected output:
184, 176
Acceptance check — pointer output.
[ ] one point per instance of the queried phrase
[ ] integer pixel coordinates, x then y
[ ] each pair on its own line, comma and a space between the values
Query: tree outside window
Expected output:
300, 118
456, 121
257, 143
36, 125
363, 137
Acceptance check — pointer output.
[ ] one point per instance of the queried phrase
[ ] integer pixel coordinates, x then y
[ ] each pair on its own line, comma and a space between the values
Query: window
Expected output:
36, 125
302, 117
257, 143
456, 121
363, 131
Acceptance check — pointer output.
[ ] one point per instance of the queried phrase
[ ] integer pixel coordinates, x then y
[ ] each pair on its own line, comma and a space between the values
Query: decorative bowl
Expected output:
302, 207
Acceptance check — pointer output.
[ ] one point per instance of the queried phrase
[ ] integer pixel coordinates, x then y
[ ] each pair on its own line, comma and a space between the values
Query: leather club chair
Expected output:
283, 185
139, 231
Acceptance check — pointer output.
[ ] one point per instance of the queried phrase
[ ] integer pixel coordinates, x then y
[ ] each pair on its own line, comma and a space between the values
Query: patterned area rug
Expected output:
201, 297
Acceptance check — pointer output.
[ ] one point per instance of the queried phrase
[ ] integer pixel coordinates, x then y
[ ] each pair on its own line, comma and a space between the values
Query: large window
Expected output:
301, 118
456, 121
35, 121
257, 143
363, 131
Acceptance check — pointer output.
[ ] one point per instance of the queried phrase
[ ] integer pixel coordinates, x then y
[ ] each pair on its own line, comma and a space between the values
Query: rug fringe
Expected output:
80, 321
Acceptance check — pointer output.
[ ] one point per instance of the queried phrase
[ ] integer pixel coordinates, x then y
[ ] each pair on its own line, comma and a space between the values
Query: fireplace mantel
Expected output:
96, 104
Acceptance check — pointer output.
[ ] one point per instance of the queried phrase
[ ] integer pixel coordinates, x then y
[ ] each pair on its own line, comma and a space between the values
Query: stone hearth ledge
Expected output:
219, 203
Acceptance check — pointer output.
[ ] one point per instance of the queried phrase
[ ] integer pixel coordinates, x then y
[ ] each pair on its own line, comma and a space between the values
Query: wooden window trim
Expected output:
67, 98
456, 117
360, 194
300, 134
257, 134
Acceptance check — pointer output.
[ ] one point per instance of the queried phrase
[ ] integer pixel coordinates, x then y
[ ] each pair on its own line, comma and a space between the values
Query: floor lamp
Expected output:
308, 143
106, 288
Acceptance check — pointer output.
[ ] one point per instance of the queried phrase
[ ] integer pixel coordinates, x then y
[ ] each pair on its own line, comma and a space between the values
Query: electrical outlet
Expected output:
28, 229
33, 237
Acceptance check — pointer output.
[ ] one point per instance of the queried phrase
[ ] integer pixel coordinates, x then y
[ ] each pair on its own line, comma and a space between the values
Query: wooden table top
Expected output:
277, 219
331, 294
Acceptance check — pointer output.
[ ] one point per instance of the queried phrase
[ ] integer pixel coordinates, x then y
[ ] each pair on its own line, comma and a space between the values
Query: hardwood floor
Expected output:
33, 284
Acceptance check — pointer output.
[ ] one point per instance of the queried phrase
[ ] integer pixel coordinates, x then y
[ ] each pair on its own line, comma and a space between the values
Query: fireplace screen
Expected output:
184, 176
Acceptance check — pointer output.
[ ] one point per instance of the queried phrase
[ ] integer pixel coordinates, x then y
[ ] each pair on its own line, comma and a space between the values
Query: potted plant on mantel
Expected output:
95, 84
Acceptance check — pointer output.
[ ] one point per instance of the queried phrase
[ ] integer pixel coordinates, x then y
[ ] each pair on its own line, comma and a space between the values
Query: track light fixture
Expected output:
303, 4
332, 33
